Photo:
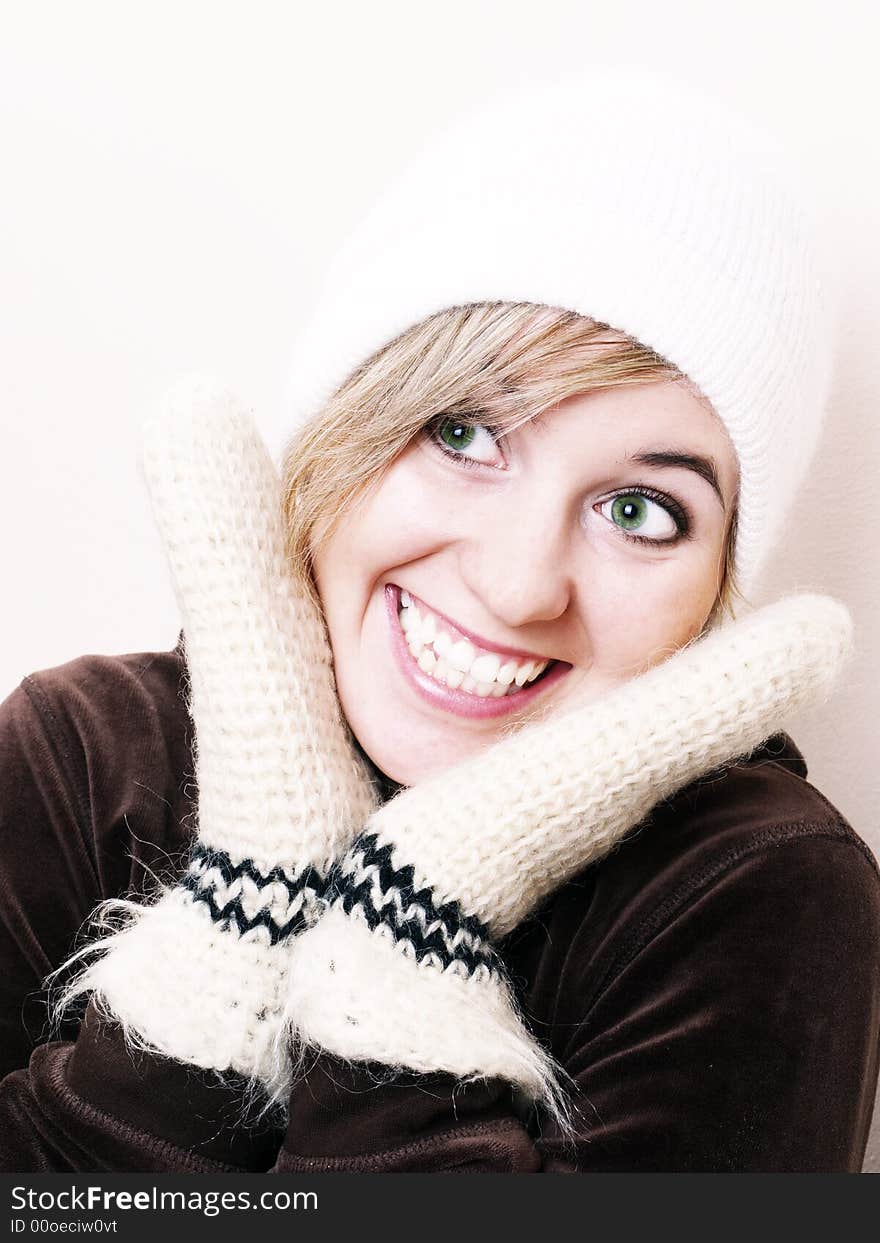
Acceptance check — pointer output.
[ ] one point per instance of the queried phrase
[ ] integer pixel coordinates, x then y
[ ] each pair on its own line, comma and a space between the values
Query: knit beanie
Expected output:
621, 196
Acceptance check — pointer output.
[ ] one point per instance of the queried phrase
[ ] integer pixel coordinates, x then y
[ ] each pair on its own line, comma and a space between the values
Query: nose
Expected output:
517, 561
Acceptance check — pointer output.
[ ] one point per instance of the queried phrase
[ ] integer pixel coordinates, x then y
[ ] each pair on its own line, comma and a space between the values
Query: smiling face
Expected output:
485, 580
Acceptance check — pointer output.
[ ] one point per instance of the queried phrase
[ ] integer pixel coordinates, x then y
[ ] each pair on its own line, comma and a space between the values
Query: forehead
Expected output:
623, 421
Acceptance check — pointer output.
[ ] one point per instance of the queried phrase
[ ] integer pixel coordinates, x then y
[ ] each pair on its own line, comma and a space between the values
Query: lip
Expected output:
458, 702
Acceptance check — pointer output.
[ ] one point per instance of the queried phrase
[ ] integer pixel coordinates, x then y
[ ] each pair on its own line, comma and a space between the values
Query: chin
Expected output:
412, 756
412, 768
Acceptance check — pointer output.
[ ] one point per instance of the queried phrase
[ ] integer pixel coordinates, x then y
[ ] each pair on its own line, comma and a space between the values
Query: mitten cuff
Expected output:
363, 994
368, 883
390, 974
199, 976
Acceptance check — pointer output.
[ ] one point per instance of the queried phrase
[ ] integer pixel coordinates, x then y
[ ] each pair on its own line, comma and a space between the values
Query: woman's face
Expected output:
476, 560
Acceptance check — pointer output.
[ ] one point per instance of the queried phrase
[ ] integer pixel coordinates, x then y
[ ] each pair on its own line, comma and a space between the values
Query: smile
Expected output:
447, 665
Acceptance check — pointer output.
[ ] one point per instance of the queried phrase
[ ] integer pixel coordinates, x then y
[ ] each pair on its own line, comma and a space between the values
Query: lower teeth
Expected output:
469, 686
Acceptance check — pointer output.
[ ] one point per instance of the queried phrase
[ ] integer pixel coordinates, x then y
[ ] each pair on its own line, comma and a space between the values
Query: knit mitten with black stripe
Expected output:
200, 974
402, 969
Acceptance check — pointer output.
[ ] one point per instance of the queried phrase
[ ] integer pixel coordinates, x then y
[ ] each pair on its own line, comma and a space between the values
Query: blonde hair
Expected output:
505, 361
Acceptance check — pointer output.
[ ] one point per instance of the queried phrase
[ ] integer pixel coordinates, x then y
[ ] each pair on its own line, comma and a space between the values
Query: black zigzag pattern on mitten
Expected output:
366, 882
214, 879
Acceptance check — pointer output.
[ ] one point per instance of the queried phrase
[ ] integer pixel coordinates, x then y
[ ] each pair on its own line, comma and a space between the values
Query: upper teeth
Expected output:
456, 661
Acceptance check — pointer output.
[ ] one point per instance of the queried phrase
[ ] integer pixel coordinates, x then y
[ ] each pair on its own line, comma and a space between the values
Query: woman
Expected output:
607, 924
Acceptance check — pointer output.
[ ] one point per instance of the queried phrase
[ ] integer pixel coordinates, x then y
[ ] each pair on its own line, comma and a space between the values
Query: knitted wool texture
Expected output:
627, 198
199, 975
400, 970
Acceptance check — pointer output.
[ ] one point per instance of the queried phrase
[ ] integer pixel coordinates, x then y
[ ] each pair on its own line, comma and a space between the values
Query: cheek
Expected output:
397, 522
640, 615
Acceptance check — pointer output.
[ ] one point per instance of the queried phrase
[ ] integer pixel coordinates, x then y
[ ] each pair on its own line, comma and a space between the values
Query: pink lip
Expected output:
461, 702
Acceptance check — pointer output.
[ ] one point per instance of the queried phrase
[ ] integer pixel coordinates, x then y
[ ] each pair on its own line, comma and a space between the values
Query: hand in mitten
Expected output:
401, 968
199, 975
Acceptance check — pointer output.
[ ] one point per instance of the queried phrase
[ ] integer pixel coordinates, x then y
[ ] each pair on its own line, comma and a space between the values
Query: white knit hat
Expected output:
620, 196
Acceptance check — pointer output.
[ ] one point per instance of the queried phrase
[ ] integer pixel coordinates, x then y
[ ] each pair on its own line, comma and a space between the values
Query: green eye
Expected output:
629, 511
468, 441
647, 518
456, 435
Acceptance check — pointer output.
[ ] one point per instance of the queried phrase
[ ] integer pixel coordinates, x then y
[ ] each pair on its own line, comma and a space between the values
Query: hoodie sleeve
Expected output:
48, 878
737, 1032
76, 1098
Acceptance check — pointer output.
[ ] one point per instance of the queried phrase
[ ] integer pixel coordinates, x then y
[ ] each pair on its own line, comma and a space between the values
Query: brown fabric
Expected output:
712, 987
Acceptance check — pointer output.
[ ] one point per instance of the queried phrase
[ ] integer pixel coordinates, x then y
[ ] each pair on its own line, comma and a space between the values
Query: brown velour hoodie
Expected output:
712, 986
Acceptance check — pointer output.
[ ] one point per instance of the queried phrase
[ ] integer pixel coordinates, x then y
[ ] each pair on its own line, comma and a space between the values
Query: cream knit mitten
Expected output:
200, 974
402, 969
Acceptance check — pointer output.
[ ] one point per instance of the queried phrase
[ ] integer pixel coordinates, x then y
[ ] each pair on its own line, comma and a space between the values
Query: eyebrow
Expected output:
702, 466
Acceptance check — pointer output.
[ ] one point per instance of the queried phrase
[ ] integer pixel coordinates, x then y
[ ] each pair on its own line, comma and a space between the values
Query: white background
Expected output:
174, 177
